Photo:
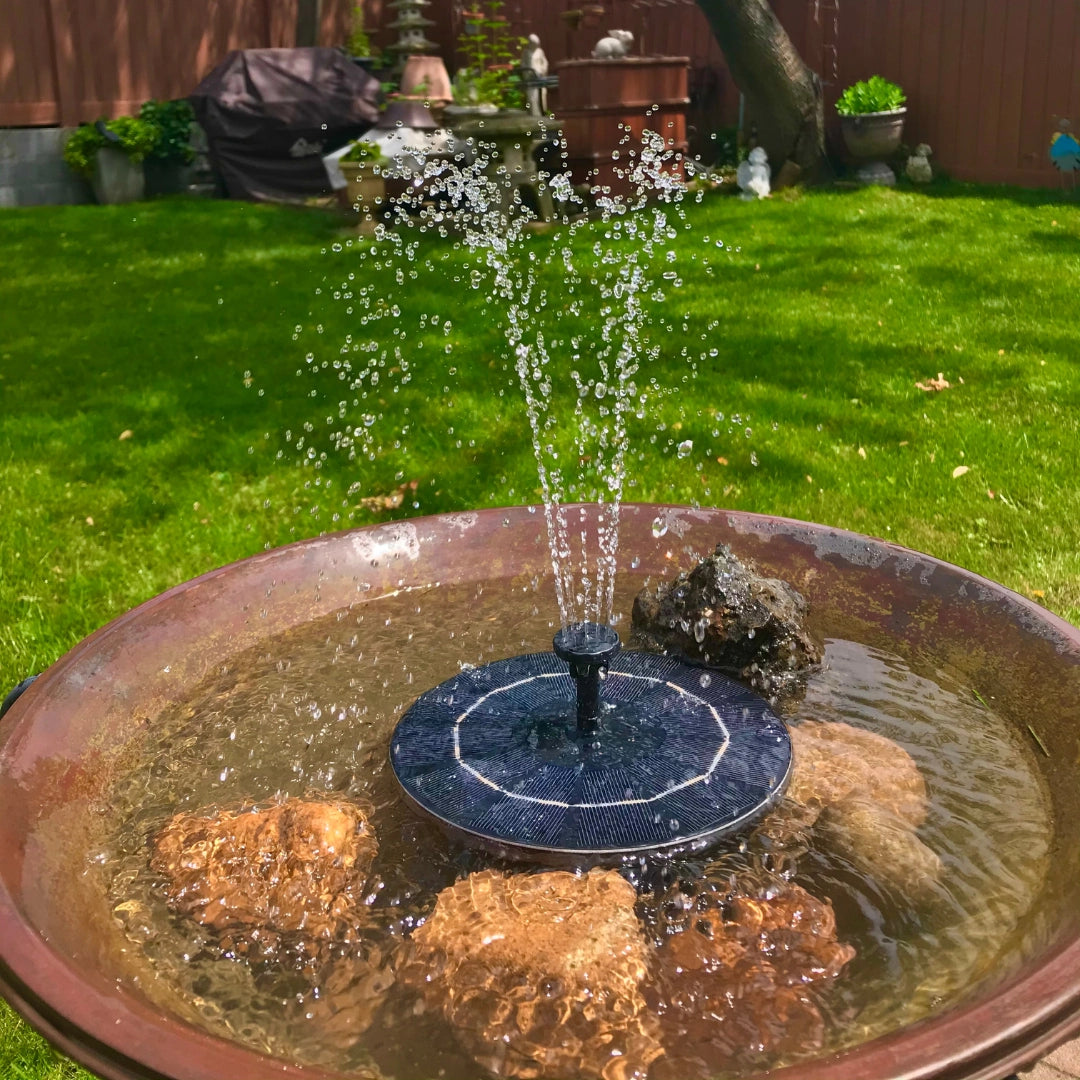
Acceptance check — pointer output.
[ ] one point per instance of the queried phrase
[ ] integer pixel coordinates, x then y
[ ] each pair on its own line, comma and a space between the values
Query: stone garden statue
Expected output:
752, 175
613, 47
534, 60
918, 165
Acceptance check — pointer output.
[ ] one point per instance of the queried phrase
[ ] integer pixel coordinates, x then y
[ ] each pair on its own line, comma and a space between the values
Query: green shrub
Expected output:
135, 137
358, 43
871, 96
173, 120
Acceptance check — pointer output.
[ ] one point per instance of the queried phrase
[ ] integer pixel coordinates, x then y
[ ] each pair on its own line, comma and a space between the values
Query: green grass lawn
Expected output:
152, 359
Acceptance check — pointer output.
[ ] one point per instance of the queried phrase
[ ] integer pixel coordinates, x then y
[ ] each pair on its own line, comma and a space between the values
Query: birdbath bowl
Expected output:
67, 967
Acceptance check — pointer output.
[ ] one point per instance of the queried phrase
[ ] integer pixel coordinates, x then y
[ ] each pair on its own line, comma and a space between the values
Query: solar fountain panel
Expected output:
680, 758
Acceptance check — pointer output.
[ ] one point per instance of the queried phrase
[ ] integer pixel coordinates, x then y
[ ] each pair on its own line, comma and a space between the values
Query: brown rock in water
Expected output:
286, 883
868, 798
742, 981
295, 868
883, 847
726, 615
350, 994
540, 975
834, 761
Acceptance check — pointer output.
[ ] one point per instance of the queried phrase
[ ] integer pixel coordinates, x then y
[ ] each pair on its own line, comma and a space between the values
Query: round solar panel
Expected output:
508, 757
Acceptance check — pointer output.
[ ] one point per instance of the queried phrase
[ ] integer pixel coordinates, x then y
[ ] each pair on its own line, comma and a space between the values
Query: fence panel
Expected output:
28, 90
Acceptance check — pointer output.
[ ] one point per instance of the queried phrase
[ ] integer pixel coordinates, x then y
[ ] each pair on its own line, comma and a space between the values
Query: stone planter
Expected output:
117, 179
872, 138
599, 99
366, 189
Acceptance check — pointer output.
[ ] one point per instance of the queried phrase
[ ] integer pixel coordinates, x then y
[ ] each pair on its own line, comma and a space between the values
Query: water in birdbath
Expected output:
326, 963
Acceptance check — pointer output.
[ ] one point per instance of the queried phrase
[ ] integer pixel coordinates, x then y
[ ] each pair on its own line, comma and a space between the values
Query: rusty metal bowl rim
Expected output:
121, 1037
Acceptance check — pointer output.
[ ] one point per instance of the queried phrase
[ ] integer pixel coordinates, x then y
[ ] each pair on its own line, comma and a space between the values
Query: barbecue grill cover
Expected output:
270, 115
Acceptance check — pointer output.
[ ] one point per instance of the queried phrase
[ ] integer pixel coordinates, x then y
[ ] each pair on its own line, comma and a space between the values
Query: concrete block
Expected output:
32, 169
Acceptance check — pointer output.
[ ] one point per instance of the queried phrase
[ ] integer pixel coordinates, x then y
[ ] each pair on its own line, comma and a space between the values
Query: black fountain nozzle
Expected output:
588, 648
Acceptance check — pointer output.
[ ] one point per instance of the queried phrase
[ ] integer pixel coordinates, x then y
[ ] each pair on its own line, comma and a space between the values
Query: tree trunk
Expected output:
782, 93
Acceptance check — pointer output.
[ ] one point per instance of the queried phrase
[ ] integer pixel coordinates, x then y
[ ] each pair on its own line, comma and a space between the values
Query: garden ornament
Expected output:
752, 175
1064, 149
918, 165
613, 47
534, 59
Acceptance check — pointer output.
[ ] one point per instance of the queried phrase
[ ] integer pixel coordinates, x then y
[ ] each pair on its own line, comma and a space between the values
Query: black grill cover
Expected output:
270, 115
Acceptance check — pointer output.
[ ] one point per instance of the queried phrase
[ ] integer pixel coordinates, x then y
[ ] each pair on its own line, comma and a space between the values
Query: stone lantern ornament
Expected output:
411, 25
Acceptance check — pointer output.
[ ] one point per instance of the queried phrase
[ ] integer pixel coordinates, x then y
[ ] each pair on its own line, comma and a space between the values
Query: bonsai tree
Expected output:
130, 134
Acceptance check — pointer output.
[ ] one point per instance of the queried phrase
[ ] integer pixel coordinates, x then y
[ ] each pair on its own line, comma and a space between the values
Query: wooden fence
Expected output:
987, 80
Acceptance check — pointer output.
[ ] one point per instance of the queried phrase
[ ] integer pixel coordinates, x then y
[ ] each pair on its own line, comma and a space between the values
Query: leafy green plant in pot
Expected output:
872, 122
362, 168
168, 165
109, 155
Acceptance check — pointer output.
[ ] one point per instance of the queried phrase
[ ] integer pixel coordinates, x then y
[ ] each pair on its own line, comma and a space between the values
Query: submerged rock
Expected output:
540, 975
867, 797
742, 980
835, 762
297, 868
724, 614
882, 847
286, 884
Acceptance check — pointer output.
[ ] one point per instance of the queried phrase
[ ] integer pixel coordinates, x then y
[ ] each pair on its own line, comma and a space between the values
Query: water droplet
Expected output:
659, 527
685, 447
705, 680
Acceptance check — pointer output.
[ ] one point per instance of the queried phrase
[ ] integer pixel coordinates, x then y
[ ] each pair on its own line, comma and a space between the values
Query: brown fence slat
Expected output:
988, 125
27, 88
969, 64
1036, 122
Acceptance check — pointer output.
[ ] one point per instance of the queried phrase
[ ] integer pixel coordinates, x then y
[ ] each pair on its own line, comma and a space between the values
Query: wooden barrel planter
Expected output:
600, 99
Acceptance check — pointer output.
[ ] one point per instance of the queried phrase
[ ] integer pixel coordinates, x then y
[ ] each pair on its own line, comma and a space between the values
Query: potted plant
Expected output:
109, 155
168, 165
490, 79
872, 122
362, 168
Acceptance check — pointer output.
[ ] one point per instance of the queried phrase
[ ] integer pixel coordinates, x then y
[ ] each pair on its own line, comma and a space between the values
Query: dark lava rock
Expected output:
727, 616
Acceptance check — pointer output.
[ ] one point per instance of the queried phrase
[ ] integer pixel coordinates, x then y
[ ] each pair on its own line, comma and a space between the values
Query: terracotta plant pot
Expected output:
66, 966
426, 78
366, 189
